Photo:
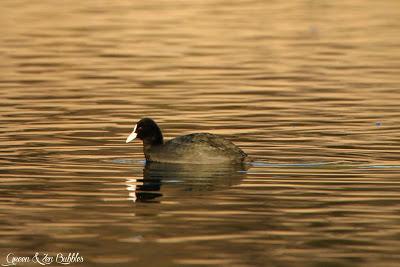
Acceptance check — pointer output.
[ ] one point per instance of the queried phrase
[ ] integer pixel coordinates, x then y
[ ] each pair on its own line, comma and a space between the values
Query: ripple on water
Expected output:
309, 90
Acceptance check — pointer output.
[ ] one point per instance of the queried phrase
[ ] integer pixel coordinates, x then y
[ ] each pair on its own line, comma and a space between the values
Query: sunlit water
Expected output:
310, 89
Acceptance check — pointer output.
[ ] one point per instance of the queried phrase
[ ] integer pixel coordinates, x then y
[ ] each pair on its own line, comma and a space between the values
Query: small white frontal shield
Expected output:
132, 136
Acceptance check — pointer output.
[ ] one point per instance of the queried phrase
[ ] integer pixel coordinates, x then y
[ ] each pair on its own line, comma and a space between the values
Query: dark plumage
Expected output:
197, 148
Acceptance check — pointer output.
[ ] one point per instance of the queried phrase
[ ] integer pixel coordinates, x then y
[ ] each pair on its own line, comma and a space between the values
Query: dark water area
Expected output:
309, 89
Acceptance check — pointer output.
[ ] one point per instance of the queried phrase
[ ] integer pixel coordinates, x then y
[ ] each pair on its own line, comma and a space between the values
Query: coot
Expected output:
196, 148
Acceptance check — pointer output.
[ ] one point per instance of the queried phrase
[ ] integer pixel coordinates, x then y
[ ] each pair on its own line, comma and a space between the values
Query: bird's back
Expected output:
198, 148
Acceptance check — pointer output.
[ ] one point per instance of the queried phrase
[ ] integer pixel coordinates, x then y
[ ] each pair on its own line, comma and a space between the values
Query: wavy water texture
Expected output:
310, 89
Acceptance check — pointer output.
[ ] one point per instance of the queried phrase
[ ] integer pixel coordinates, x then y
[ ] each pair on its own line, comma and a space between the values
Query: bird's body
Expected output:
196, 148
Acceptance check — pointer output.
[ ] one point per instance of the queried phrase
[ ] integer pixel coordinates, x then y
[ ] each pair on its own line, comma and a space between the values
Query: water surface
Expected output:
310, 89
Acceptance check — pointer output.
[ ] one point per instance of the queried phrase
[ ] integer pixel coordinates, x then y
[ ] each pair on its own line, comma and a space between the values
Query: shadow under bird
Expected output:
196, 148
166, 179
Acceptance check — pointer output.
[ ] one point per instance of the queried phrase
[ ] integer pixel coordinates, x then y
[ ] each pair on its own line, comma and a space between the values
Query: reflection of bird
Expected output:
182, 179
142, 190
194, 148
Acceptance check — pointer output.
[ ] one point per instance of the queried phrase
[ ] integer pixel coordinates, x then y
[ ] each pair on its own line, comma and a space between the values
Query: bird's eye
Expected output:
140, 128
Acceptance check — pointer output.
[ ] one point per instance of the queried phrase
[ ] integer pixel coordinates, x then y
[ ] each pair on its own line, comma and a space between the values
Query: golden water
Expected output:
310, 89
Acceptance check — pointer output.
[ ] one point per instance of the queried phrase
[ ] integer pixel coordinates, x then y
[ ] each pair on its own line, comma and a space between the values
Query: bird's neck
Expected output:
151, 144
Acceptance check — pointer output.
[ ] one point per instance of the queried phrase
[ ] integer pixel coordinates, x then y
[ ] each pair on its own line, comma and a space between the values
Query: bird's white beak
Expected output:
132, 136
